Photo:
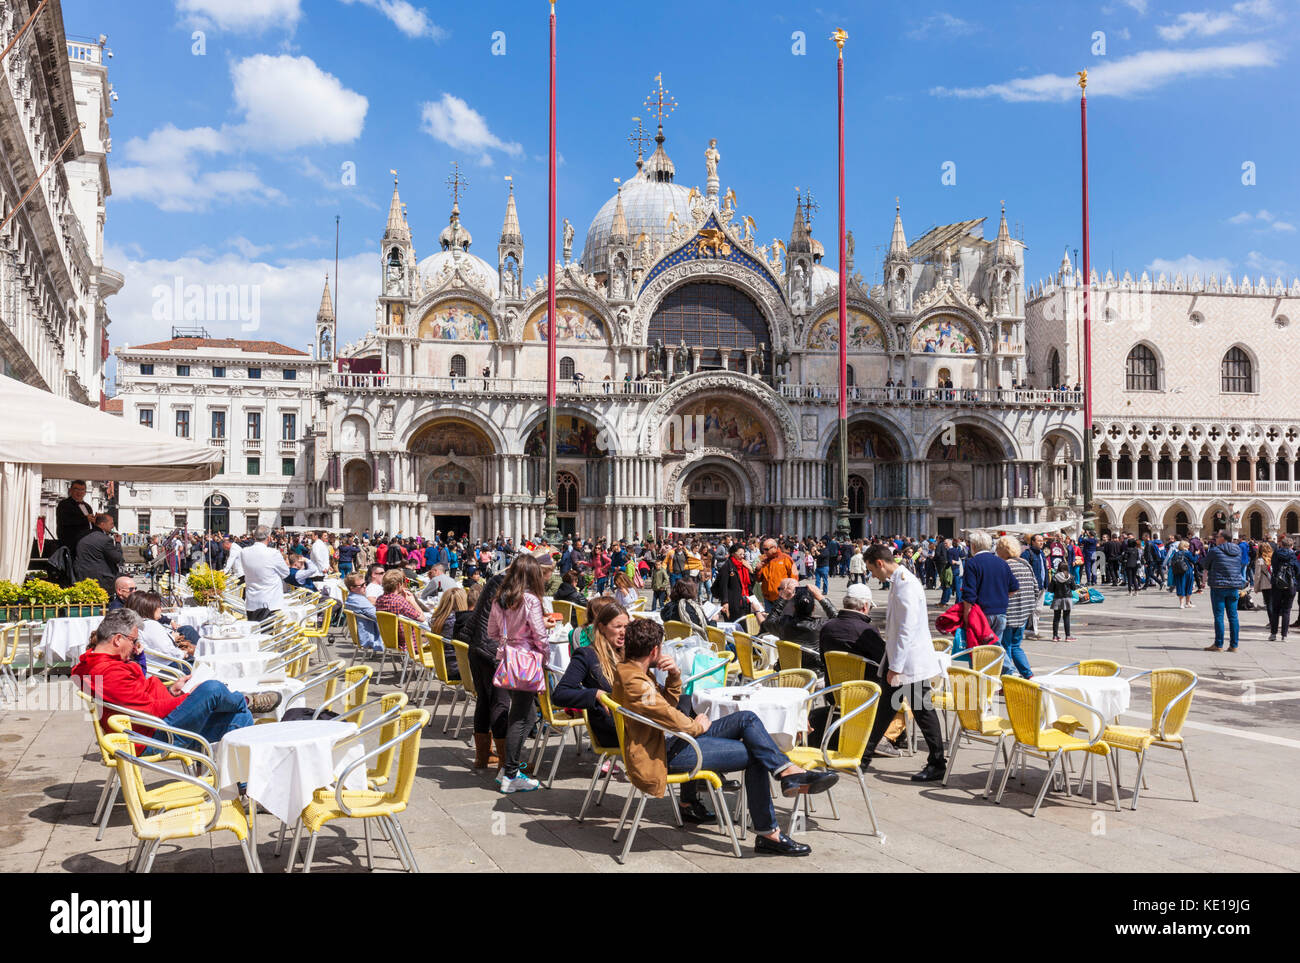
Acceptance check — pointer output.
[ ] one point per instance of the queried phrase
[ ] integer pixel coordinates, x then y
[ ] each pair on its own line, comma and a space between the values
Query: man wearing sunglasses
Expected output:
108, 671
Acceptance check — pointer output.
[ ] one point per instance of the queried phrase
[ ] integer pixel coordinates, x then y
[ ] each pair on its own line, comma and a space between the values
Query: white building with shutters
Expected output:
1196, 423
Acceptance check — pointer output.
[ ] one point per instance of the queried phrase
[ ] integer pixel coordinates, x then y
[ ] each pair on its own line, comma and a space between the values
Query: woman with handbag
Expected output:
519, 623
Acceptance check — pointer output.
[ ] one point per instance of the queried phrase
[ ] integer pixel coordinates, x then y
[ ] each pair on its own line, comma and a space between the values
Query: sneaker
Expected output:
1071, 638
520, 783
1056, 638
262, 702
885, 748
1272, 638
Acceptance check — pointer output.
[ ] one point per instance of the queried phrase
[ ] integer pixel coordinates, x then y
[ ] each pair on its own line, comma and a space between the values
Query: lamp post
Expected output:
551, 521
842, 513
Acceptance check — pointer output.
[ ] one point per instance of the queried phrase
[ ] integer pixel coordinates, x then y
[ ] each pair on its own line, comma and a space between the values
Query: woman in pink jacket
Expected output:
518, 623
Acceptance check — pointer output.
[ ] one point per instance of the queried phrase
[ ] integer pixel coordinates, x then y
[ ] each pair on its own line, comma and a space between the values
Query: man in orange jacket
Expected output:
777, 565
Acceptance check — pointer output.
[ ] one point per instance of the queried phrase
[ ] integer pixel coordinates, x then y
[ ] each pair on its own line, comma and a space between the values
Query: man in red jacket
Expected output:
108, 673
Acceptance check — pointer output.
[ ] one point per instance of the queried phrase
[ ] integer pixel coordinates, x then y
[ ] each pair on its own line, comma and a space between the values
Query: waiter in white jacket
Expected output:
910, 660
264, 573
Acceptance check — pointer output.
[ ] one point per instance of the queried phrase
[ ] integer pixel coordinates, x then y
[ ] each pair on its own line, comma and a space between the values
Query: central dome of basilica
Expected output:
648, 199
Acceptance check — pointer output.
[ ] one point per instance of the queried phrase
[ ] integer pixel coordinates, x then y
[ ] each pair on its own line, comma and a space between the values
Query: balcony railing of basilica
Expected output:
641, 390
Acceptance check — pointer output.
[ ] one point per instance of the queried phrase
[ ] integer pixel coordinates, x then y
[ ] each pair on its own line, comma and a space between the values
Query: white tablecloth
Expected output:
270, 682
782, 711
240, 627
1109, 695
242, 646
652, 616
230, 667
559, 656
193, 615
283, 763
63, 640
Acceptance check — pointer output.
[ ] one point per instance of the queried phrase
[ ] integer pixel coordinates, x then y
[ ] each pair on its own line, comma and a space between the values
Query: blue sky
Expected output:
227, 166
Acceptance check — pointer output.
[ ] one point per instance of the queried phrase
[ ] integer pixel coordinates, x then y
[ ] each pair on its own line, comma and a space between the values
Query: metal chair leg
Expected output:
1188, 766
248, 857
110, 780
1051, 771
370, 861
293, 850
108, 812
866, 797
555, 763
311, 852
952, 762
591, 790
622, 819
152, 852
631, 833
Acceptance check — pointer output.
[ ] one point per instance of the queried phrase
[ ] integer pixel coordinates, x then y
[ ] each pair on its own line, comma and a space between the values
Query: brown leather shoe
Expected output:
482, 750
498, 758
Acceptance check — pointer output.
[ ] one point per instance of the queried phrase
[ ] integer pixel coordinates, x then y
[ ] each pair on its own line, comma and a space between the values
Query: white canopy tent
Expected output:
44, 436
1070, 524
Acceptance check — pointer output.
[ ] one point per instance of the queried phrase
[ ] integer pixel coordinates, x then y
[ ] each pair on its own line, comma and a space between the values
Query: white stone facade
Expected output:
730, 415
1196, 425
250, 398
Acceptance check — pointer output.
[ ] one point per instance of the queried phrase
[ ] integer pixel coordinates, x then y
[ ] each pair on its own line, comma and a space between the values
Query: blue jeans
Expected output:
1221, 599
733, 743
211, 710
673, 579
822, 579
1011, 639
998, 623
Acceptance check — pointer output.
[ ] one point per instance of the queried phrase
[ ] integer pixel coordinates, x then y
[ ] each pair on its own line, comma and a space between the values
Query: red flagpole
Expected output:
550, 520
842, 512
550, 242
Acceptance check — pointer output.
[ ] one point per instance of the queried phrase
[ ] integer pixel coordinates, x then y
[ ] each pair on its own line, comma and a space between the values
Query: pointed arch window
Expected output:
1054, 368
1236, 372
1141, 371
566, 493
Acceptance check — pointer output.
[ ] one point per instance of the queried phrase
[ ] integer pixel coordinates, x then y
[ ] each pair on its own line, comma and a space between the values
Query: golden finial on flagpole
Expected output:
839, 36
1083, 80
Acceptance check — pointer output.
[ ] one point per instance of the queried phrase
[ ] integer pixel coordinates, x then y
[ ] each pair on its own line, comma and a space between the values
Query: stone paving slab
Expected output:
1244, 742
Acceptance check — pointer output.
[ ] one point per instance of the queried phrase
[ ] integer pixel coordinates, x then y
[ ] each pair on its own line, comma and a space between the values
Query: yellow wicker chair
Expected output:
789, 679
639, 605
750, 623
553, 722
1092, 667
201, 813
433, 657
317, 627
1030, 736
1171, 700
971, 697
987, 659
857, 702
390, 635
789, 655
847, 667
744, 644
563, 608
391, 705
368, 804
710, 779
579, 616
351, 700
942, 645
717, 638
603, 754
677, 630
351, 619
9, 635
467, 682
411, 636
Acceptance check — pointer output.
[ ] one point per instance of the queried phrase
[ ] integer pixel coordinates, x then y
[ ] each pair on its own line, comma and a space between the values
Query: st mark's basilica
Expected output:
698, 378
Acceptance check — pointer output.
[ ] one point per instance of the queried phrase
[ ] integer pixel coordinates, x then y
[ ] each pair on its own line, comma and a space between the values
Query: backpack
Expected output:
1179, 565
1284, 579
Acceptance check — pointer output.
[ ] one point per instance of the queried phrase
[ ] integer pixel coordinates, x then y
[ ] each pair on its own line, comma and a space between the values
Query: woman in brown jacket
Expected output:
731, 744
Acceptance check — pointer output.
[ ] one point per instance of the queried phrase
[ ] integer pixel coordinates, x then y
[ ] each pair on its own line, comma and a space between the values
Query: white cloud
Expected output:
247, 248
1268, 265
941, 23
1210, 23
241, 16
1126, 77
163, 168
1266, 220
286, 102
290, 102
459, 126
411, 20
287, 294
1187, 265
1139, 5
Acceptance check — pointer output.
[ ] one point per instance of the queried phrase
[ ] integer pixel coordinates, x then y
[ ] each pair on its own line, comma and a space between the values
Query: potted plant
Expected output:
40, 600
86, 598
206, 583
10, 597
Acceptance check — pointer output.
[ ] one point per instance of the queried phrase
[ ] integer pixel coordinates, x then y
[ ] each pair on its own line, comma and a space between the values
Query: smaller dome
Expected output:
455, 233
818, 250
824, 280
432, 267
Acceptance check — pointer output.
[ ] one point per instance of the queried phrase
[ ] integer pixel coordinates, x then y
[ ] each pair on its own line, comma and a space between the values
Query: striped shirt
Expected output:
1022, 601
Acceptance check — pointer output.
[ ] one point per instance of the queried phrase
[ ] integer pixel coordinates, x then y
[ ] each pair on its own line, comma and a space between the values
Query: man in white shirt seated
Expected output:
364, 609
264, 573
910, 660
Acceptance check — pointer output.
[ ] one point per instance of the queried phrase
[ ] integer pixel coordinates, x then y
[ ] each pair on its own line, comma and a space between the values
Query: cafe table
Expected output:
783, 712
1109, 695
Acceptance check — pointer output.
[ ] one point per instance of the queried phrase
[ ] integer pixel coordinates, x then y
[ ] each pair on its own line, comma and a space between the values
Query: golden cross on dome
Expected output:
458, 183
660, 101
638, 139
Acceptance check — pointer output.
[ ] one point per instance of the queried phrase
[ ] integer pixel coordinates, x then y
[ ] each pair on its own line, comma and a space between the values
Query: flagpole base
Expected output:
842, 520
551, 520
